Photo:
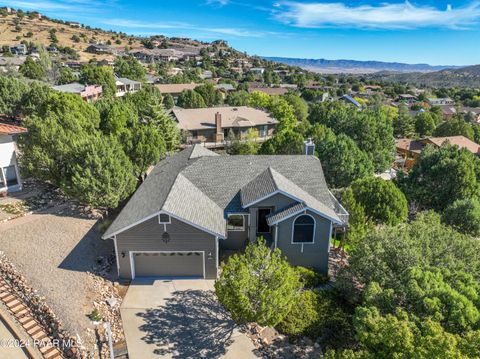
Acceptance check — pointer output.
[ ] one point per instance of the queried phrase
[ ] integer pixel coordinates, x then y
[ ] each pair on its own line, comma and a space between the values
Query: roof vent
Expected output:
234, 109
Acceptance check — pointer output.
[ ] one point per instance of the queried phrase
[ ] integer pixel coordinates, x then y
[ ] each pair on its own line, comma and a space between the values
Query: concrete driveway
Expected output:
179, 318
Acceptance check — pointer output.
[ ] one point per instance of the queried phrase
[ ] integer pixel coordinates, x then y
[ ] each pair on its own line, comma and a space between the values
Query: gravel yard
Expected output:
54, 250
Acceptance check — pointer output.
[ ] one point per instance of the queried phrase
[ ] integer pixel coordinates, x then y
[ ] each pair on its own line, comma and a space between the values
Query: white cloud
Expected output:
218, 2
134, 24
383, 16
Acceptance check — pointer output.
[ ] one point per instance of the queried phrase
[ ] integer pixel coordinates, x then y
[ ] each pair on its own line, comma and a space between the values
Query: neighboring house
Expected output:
350, 100
257, 70
7, 63
214, 123
176, 89
20, 49
225, 87
196, 202
407, 98
474, 112
125, 86
448, 111
100, 49
441, 101
410, 149
10, 180
88, 92
157, 55
272, 91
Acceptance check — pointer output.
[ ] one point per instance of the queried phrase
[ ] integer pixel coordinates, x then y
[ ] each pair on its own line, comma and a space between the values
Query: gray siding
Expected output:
314, 255
147, 236
276, 202
236, 239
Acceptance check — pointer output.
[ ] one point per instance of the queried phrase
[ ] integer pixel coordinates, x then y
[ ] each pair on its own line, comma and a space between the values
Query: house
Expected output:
176, 89
225, 87
88, 92
10, 180
410, 149
196, 203
98, 49
448, 111
407, 98
272, 91
440, 101
157, 55
213, 124
7, 63
125, 86
257, 70
350, 100
20, 50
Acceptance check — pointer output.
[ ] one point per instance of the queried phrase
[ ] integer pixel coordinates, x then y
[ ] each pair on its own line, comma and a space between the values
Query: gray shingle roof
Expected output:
187, 202
285, 212
210, 182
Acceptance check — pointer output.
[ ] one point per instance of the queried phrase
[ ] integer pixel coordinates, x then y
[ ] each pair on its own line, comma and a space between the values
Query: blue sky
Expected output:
434, 32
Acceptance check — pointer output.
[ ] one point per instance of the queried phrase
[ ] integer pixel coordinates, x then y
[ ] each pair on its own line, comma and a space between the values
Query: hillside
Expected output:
37, 30
355, 67
462, 77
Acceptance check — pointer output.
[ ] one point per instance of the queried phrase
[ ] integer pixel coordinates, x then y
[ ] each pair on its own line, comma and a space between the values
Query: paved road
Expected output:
8, 349
180, 319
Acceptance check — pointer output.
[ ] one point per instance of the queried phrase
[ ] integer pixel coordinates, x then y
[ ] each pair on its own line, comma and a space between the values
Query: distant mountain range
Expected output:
356, 67
460, 77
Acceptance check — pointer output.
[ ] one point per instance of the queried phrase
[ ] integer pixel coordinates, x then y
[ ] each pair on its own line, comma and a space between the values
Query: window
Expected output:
236, 222
263, 131
163, 218
303, 229
10, 175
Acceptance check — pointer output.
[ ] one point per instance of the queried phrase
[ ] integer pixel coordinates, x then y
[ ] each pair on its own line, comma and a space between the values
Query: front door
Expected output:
262, 226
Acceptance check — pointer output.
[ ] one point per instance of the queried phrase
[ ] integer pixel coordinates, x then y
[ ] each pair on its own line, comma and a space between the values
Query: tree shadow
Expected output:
191, 324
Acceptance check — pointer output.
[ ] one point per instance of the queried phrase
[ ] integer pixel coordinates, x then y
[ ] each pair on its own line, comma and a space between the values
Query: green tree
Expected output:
66, 76
455, 127
258, 285
102, 174
191, 99
342, 161
358, 223
237, 98
32, 69
91, 74
464, 215
440, 176
299, 105
211, 95
11, 93
383, 202
404, 124
168, 101
424, 124
129, 67
283, 143
247, 146
371, 129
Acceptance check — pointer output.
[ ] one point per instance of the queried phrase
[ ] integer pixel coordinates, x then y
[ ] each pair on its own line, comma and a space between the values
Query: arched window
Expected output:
303, 229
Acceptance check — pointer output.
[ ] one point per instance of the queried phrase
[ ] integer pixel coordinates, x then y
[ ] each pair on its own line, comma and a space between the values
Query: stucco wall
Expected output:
8, 158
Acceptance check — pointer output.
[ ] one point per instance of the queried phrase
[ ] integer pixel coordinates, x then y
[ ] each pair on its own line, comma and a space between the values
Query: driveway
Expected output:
179, 318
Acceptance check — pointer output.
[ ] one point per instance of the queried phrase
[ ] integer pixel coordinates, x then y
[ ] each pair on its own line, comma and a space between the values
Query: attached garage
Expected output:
168, 264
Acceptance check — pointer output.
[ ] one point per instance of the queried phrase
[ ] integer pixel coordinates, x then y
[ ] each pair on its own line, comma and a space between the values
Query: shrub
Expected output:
258, 286
310, 278
303, 315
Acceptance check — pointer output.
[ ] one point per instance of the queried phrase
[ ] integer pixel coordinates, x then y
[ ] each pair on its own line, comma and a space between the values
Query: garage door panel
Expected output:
168, 264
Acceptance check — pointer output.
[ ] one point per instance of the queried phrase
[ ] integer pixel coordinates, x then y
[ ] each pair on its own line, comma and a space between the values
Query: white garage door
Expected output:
168, 264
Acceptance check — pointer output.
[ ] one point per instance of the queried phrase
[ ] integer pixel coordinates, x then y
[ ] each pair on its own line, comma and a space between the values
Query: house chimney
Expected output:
309, 147
219, 136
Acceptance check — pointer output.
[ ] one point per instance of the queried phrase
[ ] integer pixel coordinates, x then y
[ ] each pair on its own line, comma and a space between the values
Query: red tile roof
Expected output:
6, 129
